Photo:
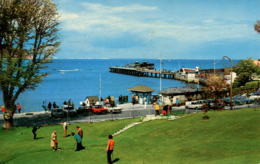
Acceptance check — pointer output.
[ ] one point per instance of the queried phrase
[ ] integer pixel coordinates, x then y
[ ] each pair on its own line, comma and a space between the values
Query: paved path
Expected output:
128, 111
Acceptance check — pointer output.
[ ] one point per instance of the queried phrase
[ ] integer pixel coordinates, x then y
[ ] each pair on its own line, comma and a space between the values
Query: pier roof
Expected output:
141, 88
181, 90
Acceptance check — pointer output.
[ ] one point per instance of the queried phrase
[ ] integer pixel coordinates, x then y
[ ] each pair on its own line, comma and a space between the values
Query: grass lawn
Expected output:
227, 137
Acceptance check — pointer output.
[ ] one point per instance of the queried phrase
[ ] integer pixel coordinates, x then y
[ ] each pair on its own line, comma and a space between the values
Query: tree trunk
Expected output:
8, 119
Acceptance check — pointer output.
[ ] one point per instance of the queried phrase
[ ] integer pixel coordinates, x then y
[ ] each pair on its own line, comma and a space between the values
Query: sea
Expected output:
77, 79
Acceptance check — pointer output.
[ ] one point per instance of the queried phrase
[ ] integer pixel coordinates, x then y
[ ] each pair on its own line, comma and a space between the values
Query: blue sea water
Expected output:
79, 78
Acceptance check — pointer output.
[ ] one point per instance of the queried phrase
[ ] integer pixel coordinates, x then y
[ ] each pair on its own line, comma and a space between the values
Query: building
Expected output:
90, 100
143, 93
187, 93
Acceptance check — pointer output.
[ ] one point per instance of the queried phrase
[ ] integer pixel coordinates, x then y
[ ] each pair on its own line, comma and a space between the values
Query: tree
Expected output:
215, 87
28, 28
244, 70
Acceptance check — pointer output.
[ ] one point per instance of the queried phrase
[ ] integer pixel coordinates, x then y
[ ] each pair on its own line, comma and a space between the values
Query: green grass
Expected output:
227, 137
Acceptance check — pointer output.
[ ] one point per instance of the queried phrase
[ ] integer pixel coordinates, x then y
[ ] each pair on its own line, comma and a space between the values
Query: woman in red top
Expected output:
110, 148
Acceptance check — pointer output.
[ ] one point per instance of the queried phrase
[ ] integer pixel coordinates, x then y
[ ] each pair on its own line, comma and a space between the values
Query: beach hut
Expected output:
143, 93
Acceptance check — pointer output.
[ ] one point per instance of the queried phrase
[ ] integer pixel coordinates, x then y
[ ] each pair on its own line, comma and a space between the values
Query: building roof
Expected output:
93, 98
141, 88
181, 90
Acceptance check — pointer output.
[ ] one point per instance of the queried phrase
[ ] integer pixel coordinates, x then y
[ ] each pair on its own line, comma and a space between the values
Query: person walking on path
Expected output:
157, 108
19, 108
110, 148
78, 141
177, 102
34, 132
54, 142
65, 127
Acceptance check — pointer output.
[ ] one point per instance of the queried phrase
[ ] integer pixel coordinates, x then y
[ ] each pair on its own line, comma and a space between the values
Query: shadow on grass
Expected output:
39, 138
115, 160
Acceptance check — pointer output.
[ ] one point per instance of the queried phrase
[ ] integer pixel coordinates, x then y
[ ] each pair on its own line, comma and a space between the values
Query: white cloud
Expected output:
106, 21
107, 9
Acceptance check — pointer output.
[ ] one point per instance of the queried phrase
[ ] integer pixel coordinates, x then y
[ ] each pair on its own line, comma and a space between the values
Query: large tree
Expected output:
28, 29
244, 70
216, 87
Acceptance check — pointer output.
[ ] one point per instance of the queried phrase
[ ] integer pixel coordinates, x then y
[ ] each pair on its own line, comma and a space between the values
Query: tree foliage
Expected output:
244, 70
216, 87
28, 29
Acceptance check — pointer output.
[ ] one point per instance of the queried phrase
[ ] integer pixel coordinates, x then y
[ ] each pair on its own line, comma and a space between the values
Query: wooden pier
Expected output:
142, 72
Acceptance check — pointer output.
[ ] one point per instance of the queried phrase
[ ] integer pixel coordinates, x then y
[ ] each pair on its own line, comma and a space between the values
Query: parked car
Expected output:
113, 109
244, 99
84, 110
214, 105
58, 113
238, 101
99, 109
193, 105
72, 113
227, 101
69, 110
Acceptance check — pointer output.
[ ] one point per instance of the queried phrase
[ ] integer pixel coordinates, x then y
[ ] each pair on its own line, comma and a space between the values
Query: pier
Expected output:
142, 72
184, 74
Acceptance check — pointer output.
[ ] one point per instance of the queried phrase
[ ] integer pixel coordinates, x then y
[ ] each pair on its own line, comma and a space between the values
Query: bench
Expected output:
176, 112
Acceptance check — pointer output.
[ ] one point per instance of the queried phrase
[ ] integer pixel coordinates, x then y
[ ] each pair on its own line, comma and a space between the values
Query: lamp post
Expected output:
160, 75
231, 86
215, 64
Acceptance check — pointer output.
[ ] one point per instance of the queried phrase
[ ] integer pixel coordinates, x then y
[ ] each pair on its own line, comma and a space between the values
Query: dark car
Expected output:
84, 110
58, 113
244, 99
227, 101
214, 105
69, 110
72, 113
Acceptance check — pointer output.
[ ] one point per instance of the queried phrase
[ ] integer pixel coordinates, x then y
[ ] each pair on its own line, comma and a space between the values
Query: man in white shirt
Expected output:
65, 127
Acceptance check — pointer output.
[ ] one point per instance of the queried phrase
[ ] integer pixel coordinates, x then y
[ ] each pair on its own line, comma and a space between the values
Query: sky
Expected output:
168, 29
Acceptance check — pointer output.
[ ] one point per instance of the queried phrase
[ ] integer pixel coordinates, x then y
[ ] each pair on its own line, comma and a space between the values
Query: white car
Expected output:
194, 104
113, 109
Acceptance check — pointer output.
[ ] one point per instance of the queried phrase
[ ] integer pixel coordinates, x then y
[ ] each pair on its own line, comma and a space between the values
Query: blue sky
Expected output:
169, 29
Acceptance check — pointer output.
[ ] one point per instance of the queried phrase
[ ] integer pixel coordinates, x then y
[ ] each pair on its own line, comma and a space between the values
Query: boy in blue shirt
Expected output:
78, 141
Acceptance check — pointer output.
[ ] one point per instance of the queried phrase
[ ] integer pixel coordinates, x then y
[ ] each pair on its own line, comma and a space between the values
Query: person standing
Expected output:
80, 132
19, 108
157, 108
169, 109
110, 148
177, 102
65, 127
54, 105
49, 106
54, 142
133, 99
34, 132
78, 141
165, 108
